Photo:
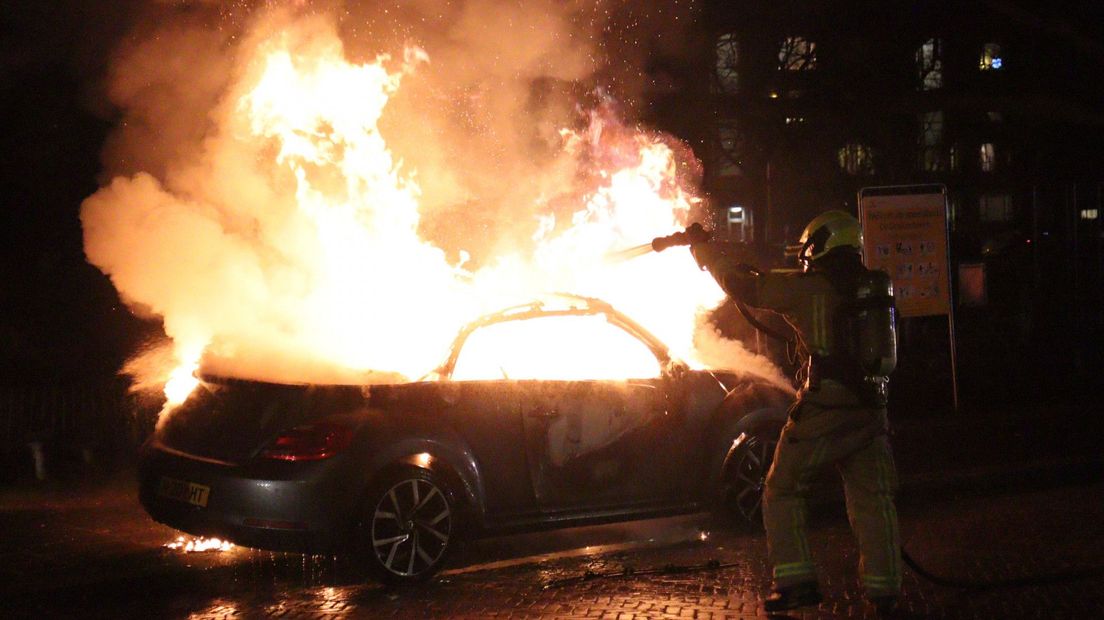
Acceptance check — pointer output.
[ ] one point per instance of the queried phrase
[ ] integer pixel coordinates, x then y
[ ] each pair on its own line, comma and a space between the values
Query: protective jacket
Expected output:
842, 314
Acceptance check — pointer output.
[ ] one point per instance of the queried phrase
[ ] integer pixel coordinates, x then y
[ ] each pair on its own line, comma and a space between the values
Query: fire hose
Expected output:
970, 585
697, 234
629, 571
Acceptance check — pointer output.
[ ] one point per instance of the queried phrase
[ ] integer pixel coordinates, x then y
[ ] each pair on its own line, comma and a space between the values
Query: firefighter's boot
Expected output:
792, 597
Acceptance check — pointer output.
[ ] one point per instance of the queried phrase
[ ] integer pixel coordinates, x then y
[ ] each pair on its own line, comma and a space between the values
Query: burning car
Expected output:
395, 475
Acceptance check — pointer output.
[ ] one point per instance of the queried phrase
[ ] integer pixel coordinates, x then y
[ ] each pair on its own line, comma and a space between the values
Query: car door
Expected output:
602, 444
593, 439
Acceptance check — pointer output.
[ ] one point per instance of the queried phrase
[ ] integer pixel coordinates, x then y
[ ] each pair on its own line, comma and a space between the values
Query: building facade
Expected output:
1001, 102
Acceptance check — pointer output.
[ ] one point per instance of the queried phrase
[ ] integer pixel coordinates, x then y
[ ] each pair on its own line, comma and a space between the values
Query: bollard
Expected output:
38, 453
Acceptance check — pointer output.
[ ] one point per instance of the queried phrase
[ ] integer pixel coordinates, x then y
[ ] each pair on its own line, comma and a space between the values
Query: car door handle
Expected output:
544, 413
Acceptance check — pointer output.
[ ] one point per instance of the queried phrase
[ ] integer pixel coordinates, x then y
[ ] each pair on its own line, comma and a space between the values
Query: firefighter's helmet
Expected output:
831, 230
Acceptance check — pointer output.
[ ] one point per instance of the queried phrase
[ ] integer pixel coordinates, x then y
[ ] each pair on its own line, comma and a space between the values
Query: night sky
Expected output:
60, 316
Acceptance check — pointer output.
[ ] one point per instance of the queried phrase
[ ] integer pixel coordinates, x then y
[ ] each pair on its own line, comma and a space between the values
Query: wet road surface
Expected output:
92, 552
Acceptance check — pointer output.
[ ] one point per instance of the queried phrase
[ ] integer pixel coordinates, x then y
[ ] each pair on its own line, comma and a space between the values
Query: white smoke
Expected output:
191, 228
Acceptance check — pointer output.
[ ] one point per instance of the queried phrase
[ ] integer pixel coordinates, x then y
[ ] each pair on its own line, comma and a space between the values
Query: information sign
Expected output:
905, 235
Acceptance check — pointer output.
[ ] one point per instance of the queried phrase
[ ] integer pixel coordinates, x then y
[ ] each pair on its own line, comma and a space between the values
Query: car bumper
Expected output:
297, 507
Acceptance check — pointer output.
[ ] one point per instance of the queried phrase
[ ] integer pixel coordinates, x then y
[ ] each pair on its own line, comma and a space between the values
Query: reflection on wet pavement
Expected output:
106, 559
290, 585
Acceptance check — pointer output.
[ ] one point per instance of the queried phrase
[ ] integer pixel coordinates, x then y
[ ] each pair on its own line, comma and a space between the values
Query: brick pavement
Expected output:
980, 536
985, 537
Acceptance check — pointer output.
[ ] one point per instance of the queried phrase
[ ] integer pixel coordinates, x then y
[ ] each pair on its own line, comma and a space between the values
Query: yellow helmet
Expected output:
828, 231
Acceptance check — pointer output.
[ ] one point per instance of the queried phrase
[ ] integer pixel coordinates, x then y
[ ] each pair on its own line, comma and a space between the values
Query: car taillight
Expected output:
309, 442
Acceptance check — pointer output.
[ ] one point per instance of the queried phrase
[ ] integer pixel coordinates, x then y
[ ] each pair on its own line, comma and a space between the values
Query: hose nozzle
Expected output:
695, 233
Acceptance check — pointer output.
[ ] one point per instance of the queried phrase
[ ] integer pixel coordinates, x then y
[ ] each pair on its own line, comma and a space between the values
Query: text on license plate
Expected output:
190, 492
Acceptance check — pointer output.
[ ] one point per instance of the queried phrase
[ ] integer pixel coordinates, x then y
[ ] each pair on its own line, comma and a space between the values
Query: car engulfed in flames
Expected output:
394, 475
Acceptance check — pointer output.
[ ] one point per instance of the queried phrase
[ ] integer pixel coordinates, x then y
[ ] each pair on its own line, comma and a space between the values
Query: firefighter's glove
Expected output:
708, 254
714, 254
723, 259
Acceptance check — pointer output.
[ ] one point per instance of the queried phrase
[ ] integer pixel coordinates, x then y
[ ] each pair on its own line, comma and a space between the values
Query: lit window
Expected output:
996, 208
1089, 214
856, 159
990, 57
797, 54
994, 117
728, 55
987, 157
739, 224
730, 150
932, 153
929, 62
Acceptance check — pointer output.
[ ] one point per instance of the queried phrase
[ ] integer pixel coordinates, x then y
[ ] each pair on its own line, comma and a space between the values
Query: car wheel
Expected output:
407, 526
745, 475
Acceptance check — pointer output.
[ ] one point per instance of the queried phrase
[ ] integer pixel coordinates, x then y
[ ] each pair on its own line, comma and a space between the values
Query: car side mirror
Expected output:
674, 385
675, 370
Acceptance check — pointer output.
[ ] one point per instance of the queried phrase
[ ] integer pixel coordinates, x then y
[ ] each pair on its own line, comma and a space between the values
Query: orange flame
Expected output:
199, 544
181, 382
316, 223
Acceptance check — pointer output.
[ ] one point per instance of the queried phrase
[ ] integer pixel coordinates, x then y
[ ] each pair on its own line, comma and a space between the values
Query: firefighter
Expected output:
843, 318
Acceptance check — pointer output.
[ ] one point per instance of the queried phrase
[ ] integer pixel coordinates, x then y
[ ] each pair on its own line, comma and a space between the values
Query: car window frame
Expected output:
578, 306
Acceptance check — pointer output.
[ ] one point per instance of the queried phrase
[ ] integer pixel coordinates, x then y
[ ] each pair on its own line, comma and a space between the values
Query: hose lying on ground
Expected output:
1073, 574
629, 571
947, 582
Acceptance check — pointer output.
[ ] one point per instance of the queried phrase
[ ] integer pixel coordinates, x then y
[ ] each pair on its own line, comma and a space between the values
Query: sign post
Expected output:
906, 234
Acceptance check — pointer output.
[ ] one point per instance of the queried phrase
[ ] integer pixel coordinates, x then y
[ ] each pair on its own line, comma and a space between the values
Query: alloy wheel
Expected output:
411, 525
748, 477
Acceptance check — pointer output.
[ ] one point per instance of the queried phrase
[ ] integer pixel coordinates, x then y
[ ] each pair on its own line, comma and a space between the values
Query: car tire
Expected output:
744, 475
407, 526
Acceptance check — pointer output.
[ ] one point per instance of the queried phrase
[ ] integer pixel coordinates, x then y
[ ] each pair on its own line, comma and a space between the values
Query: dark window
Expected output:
797, 54
995, 208
987, 157
932, 153
729, 137
856, 159
956, 157
929, 63
728, 56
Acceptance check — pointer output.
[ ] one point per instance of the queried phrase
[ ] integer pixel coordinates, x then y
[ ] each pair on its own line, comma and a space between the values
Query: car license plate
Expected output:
195, 494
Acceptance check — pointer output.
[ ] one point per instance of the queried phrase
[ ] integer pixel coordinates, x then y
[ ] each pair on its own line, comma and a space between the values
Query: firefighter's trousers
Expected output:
855, 441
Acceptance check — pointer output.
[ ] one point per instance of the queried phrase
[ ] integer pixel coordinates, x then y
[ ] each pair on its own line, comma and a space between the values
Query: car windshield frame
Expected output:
577, 305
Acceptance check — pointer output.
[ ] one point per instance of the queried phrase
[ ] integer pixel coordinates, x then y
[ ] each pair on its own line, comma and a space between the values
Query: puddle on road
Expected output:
250, 582
284, 570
